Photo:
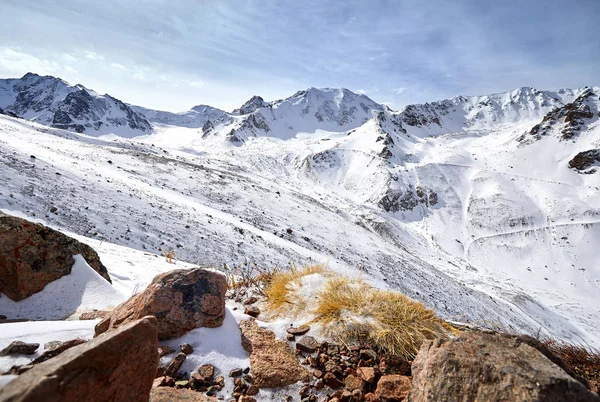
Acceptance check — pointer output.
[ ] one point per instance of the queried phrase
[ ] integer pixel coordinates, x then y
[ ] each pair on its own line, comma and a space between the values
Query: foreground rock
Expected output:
33, 255
19, 348
181, 300
118, 366
393, 388
273, 364
482, 367
168, 394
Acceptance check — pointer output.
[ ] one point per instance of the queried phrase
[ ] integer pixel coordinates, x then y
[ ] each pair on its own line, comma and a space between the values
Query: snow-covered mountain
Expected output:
196, 117
51, 101
477, 206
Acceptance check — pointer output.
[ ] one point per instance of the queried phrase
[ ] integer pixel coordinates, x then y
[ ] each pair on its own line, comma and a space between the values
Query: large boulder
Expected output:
117, 366
272, 363
478, 367
181, 300
33, 255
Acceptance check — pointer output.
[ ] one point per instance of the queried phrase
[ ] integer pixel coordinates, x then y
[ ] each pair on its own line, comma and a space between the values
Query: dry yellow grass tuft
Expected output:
350, 310
280, 289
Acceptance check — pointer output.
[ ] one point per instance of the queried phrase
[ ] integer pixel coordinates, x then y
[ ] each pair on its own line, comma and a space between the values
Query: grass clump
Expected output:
350, 310
583, 360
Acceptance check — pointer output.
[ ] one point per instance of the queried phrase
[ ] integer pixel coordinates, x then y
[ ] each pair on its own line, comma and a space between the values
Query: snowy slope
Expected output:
455, 202
51, 101
196, 117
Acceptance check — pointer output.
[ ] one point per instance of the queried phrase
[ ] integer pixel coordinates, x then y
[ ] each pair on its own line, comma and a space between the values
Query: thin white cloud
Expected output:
93, 55
399, 91
15, 62
118, 66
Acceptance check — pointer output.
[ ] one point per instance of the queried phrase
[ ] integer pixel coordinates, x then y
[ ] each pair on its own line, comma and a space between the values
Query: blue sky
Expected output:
174, 54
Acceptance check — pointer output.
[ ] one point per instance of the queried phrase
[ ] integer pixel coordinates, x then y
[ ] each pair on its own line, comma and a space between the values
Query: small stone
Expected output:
357, 395
290, 337
252, 311
164, 350
246, 398
318, 373
207, 371
238, 382
235, 372
368, 354
250, 300
246, 370
248, 378
211, 391
175, 365
20, 348
301, 330
371, 397
352, 383
319, 384
394, 387
182, 384
187, 349
333, 349
367, 374
346, 396
51, 345
252, 390
307, 344
219, 381
331, 381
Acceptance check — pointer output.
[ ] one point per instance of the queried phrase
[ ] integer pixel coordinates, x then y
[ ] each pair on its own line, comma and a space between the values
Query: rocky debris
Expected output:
394, 387
301, 330
175, 365
273, 364
307, 344
164, 350
169, 394
207, 371
187, 349
33, 255
163, 382
181, 300
367, 374
119, 365
57, 349
585, 160
19, 348
492, 367
236, 372
252, 311
93, 315
250, 300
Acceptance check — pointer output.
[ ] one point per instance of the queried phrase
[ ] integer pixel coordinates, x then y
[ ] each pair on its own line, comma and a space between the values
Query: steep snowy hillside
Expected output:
463, 204
51, 101
196, 117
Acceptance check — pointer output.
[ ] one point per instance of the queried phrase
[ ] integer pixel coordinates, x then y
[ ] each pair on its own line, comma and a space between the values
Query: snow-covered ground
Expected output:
441, 201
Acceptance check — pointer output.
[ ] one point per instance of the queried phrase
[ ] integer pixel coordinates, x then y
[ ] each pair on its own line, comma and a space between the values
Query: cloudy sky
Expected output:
173, 54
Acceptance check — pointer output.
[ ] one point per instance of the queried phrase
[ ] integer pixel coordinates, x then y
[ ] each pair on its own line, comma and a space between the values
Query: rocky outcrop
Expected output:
585, 160
483, 367
33, 255
273, 364
181, 300
117, 366
168, 394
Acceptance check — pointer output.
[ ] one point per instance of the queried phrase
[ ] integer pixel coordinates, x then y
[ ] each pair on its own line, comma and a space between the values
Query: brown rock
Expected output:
307, 344
371, 397
207, 371
117, 366
163, 382
484, 367
187, 349
175, 365
358, 395
346, 396
181, 300
393, 387
290, 337
164, 350
245, 398
58, 349
352, 382
301, 330
318, 373
252, 311
19, 348
236, 372
368, 374
93, 315
250, 300
272, 362
33, 255
331, 381
252, 390
168, 394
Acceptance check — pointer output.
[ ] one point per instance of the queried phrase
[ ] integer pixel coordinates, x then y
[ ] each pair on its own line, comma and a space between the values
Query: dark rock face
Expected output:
33, 255
483, 367
8, 113
252, 105
118, 366
584, 160
573, 117
181, 300
19, 348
